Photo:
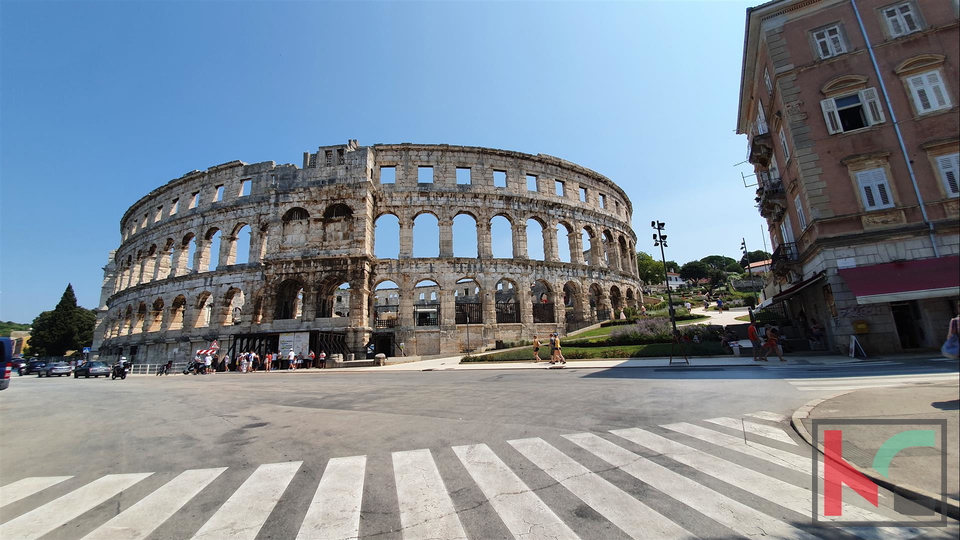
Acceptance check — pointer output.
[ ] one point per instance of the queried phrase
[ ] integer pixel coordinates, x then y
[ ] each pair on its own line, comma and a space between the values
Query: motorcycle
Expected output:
165, 369
194, 367
119, 370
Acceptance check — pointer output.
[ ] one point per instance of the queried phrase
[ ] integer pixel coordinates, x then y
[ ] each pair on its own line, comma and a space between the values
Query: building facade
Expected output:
851, 112
258, 255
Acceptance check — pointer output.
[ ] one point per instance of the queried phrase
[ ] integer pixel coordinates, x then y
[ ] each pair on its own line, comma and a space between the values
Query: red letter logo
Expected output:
837, 472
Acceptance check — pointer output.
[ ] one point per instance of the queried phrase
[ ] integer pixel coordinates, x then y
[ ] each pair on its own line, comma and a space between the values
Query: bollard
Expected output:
381, 359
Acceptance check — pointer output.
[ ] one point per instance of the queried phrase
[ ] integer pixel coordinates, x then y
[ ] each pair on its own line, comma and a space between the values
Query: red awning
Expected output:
796, 288
907, 280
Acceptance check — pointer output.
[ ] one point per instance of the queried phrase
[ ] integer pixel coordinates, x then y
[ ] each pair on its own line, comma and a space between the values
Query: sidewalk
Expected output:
914, 472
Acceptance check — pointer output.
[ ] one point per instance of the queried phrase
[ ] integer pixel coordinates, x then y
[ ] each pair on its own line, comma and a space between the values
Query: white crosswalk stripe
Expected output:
239, 518
522, 511
150, 512
630, 515
425, 506
426, 510
334, 513
737, 516
880, 381
48, 517
752, 427
26, 487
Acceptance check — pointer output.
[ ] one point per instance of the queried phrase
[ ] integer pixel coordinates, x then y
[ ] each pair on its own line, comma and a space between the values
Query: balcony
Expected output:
761, 144
771, 194
785, 258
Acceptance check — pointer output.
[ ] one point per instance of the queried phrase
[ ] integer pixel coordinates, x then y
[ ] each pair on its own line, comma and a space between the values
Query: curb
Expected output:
921, 496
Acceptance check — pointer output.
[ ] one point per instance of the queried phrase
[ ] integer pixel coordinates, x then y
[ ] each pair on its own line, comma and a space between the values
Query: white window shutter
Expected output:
882, 191
784, 146
800, 216
834, 34
919, 90
830, 116
865, 179
936, 86
894, 21
872, 103
822, 45
907, 13
950, 172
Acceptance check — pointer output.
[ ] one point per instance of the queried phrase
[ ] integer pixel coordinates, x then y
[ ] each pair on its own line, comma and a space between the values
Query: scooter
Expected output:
194, 367
165, 369
119, 370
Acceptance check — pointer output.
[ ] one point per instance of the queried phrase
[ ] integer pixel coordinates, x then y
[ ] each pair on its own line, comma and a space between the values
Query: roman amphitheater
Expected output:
265, 256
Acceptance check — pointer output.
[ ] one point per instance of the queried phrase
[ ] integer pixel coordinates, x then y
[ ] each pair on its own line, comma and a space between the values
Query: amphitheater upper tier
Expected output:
265, 256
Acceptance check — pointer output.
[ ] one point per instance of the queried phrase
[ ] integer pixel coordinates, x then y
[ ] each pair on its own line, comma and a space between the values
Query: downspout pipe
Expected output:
896, 128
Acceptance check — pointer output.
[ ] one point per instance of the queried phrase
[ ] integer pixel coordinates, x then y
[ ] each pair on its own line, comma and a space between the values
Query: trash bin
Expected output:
499, 344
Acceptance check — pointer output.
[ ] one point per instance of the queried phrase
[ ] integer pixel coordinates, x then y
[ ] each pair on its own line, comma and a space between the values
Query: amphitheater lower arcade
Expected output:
325, 257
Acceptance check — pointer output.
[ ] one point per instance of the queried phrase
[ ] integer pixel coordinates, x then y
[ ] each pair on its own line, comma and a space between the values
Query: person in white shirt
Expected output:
207, 362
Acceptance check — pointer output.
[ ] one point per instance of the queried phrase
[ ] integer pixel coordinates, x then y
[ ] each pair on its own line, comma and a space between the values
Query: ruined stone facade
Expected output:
312, 268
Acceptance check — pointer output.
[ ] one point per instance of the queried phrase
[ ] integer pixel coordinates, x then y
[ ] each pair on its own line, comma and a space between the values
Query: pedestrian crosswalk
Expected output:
743, 477
820, 384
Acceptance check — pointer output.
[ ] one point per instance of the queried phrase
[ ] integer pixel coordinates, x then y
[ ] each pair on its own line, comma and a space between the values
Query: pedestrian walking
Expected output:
687, 306
556, 343
291, 359
643, 311
207, 362
536, 349
720, 305
311, 358
268, 359
951, 347
553, 350
754, 338
772, 344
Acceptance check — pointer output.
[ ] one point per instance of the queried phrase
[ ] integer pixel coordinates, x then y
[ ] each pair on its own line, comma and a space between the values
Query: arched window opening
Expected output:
631, 299
128, 321
204, 310
465, 240
338, 211
295, 214
149, 264
625, 255
542, 297
187, 255
296, 227
563, 242
600, 312
234, 301
242, 240
572, 303
426, 236
586, 240
141, 316
386, 237
535, 247
505, 300
501, 237
176, 313
337, 223
386, 305
289, 300
156, 316
262, 242
468, 302
212, 250
426, 304
609, 255
341, 300
616, 300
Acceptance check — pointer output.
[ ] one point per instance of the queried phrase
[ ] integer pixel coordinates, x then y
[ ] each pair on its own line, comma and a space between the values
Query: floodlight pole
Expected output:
746, 257
660, 239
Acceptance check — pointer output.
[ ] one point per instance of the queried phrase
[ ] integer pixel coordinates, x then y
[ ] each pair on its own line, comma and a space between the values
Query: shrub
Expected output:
644, 331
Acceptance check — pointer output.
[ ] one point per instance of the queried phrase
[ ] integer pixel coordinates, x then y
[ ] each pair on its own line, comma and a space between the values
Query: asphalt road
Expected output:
444, 454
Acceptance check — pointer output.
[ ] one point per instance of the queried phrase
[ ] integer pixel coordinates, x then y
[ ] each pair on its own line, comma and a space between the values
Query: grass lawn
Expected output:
605, 331
744, 318
614, 351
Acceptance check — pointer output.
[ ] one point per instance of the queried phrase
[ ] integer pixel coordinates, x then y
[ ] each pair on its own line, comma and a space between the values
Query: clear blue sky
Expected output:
101, 102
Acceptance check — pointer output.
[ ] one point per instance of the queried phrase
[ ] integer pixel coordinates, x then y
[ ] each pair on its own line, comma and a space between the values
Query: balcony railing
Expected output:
784, 254
760, 147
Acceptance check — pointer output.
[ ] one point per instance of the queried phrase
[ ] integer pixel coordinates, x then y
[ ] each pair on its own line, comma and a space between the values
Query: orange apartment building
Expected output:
851, 110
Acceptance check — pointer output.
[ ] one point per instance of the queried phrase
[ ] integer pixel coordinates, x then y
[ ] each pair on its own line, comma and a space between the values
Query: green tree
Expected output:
754, 256
67, 327
650, 270
721, 262
694, 270
672, 266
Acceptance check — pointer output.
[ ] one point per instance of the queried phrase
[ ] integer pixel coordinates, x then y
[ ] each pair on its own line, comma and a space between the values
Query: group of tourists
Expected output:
250, 361
556, 353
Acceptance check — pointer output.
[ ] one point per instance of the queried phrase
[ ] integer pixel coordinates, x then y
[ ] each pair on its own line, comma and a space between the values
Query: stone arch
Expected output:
426, 234
233, 304
289, 299
166, 260
155, 320
177, 311
210, 254
566, 246
128, 321
468, 301
591, 247
338, 211
386, 304
148, 265
326, 297
141, 316
631, 298
501, 234
541, 297
573, 302
595, 297
536, 250
296, 227
507, 301
337, 223
239, 249
616, 300
426, 303
465, 237
609, 252
204, 307
264, 234
625, 257
386, 236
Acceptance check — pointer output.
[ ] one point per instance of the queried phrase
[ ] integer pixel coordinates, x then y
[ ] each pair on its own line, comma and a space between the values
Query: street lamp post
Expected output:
746, 257
660, 239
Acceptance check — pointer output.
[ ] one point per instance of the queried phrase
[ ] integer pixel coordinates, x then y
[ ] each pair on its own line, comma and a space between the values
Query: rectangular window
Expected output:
195, 199
949, 167
900, 19
761, 119
500, 179
874, 189
855, 111
328, 157
218, 196
929, 93
784, 146
559, 188
425, 175
603, 200
341, 160
463, 176
531, 183
583, 194
829, 42
388, 175
767, 81
617, 206
146, 218
800, 216
245, 187
159, 215
174, 206
786, 230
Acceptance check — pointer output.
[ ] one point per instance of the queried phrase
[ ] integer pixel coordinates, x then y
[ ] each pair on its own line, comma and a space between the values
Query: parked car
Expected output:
55, 368
33, 366
91, 369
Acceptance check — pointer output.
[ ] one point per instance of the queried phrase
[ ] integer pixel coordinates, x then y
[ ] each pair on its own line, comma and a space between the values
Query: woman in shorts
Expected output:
536, 349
